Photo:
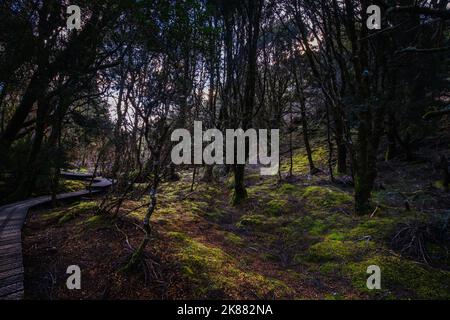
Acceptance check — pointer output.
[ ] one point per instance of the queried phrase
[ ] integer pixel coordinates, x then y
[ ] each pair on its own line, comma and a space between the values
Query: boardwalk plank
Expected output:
11, 259
14, 296
9, 273
9, 247
10, 280
5, 234
10, 241
12, 219
10, 289
12, 264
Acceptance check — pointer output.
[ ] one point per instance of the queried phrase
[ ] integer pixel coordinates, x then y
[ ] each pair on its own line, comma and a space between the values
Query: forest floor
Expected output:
297, 239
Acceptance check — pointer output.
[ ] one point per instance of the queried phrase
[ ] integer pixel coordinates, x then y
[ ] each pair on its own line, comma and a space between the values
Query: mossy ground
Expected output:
72, 185
65, 185
301, 231
216, 274
67, 214
294, 239
308, 227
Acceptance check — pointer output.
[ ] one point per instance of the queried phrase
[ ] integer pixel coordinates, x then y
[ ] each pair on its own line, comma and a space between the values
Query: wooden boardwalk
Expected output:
12, 218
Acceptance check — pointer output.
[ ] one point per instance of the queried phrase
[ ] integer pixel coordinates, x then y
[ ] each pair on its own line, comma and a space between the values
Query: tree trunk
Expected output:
194, 173
208, 174
330, 144
391, 151
445, 173
312, 168
34, 162
341, 149
254, 17
240, 193
35, 88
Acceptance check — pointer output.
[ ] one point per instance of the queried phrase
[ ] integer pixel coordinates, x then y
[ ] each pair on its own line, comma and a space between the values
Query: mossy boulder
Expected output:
326, 197
276, 207
337, 250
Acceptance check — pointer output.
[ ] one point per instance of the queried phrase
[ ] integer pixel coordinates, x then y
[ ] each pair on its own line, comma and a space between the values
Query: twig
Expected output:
374, 211
126, 237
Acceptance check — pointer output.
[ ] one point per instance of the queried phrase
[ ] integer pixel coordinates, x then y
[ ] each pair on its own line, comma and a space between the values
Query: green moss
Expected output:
269, 257
287, 188
178, 235
439, 184
72, 185
97, 221
376, 227
336, 236
319, 196
251, 220
258, 222
160, 211
312, 225
402, 277
53, 215
215, 215
194, 206
230, 182
317, 228
211, 270
300, 164
233, 239
335, 296
67, 217
276, 207
299, 258
69, 214
330, 268
335, 250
